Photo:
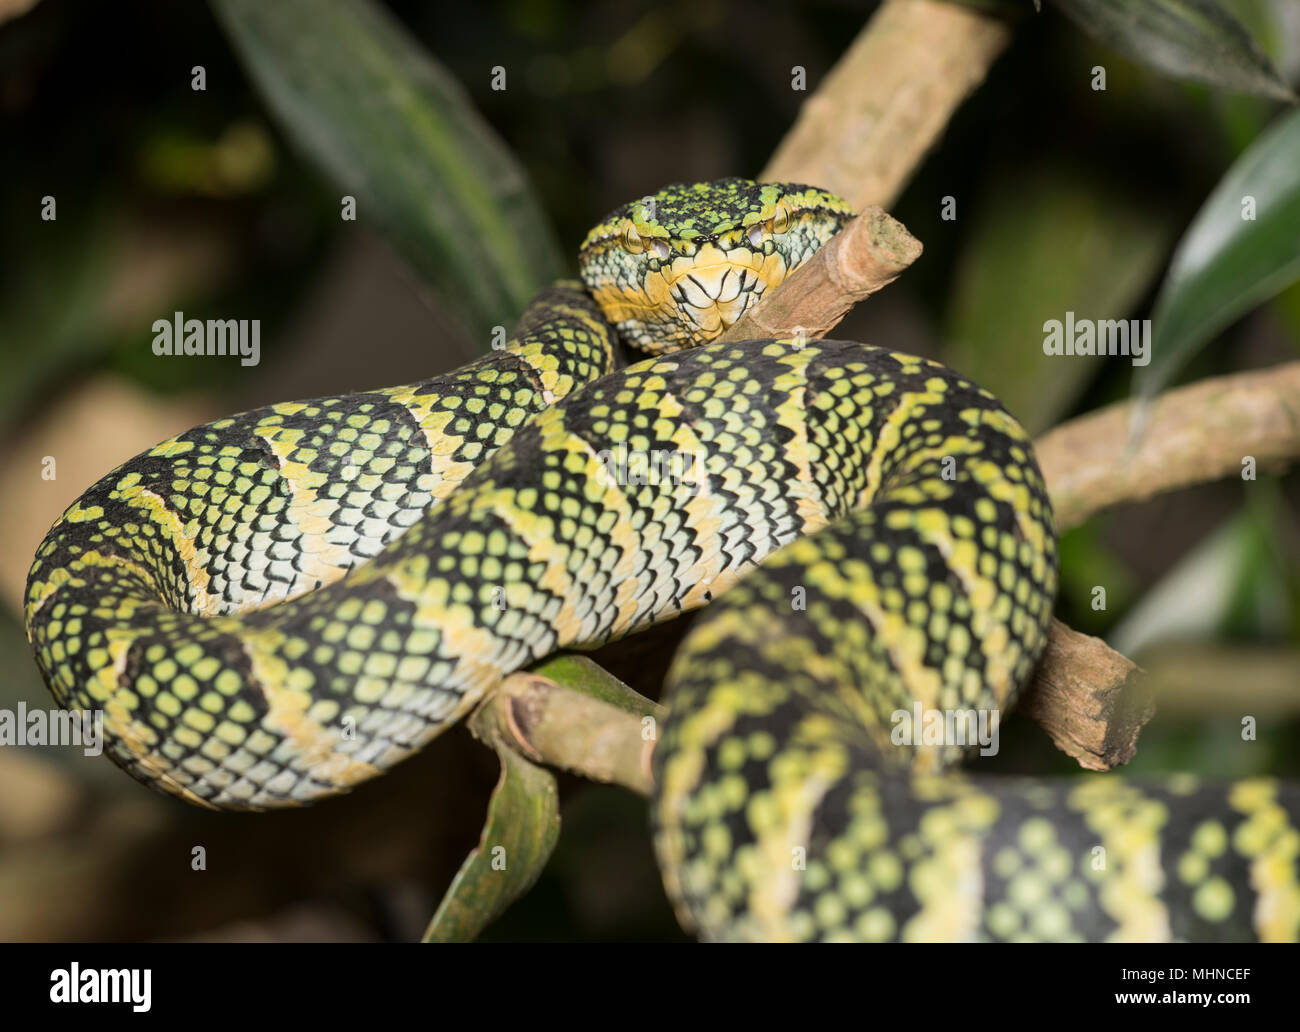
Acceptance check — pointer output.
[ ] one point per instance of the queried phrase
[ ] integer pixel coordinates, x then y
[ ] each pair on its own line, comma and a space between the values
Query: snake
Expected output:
274, 607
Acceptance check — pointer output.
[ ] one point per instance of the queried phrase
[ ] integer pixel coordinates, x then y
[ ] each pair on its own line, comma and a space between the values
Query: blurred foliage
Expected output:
602, 884
1241, 582
1045, 243
1067, 198
1190, 39
1087, 562
54, 299
390, 127
1242, 248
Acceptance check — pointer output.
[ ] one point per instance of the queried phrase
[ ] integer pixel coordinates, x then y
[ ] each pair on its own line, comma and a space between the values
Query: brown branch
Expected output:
1091, 701
1189, 679
887, 100
1191, 435
867, 254
560, 725
569, 712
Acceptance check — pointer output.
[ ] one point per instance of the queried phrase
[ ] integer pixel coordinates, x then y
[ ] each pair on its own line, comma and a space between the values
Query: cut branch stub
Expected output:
867, 254
1092, 701
570, 713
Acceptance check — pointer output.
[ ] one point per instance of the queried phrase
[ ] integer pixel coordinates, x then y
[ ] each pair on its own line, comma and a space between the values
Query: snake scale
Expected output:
276, 606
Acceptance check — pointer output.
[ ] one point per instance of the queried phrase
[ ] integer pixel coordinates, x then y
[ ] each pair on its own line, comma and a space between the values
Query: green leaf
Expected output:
1195, 40
392, 128
576, 672
1226, 264
523, 825
1048, 243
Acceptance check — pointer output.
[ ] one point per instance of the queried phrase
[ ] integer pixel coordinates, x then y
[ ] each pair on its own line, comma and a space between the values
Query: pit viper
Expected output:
276, 606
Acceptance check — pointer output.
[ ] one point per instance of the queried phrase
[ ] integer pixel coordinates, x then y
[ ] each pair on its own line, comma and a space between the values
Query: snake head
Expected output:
673, 270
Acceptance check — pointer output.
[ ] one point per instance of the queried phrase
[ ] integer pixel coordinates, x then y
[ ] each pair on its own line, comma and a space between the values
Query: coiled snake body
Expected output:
276, 606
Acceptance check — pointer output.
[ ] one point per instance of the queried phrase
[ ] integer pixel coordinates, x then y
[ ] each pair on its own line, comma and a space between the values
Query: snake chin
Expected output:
697, 304
709, 299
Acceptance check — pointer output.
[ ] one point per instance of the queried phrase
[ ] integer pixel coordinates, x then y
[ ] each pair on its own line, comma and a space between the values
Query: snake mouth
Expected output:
712, 298
689, 301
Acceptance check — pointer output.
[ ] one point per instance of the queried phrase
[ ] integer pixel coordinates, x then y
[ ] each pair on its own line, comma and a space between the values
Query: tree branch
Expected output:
568, 712
887, 100
1091, 700
1193, 434
867, 254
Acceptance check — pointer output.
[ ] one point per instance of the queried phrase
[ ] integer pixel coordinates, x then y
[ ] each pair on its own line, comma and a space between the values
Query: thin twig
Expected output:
560, 713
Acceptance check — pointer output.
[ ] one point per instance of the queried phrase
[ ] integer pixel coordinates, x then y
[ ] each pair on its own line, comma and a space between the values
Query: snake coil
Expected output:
278, 605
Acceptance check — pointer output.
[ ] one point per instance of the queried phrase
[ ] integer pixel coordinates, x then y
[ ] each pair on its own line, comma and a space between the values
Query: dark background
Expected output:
174, 199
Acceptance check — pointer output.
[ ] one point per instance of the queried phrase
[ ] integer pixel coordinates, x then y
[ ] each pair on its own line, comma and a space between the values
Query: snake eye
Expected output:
632, 242
776, 225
